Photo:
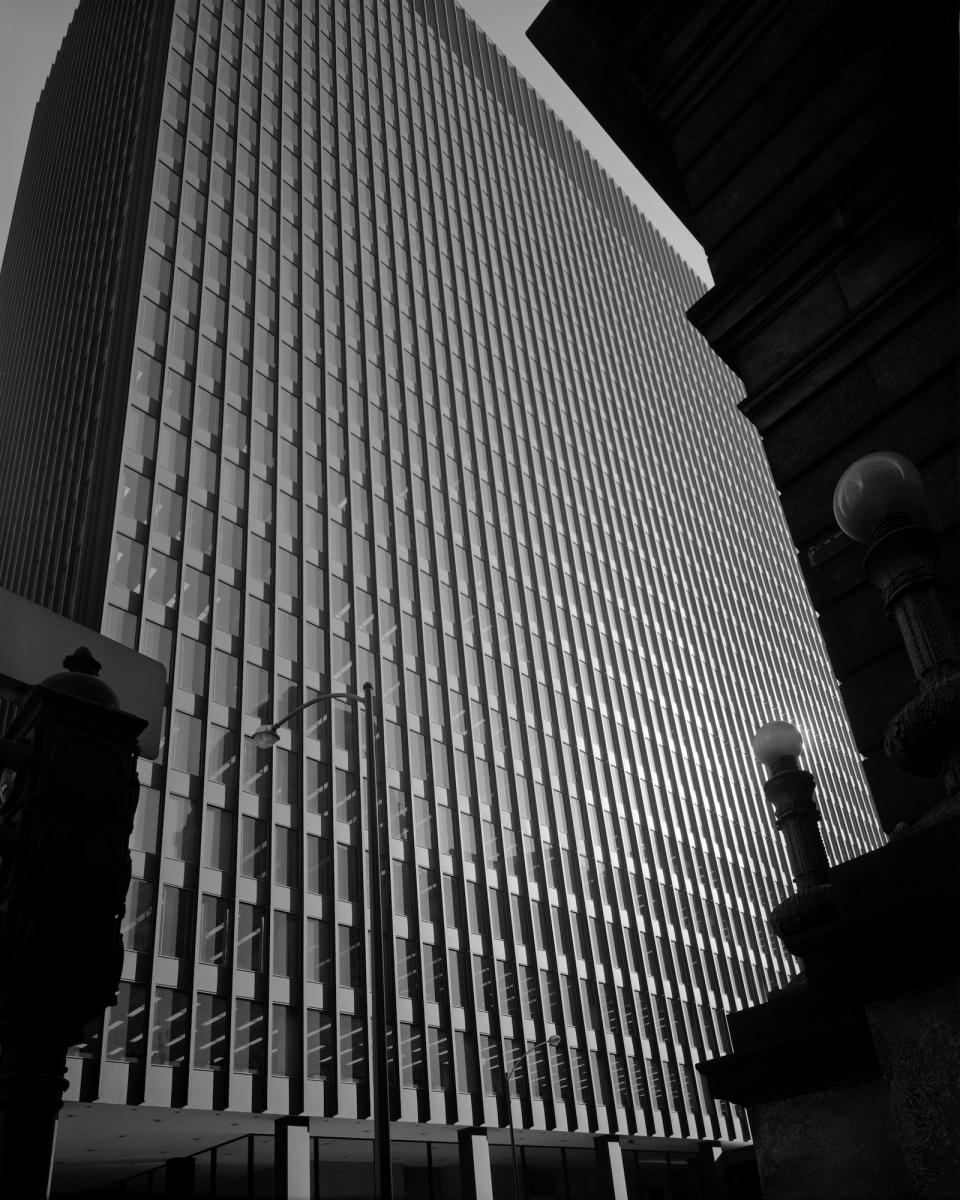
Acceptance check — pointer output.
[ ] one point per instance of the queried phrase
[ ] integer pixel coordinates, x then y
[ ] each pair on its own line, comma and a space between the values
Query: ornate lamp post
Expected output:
876, 502
550, 1041
266, 737
65, 823
790, 791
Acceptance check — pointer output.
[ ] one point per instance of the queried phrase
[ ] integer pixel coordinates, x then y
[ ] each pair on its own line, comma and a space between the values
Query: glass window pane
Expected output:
137, 928
250, 937
171, 1028
286, 857
350, 956
413, 1062
319, 965
222, 756
285, 1041
254, 858
211, 1033
214, 945
181, 828
219, 849
319, 1045
353, 1054
250, 1037
348, 872
286, 943
177, 907
126, 1031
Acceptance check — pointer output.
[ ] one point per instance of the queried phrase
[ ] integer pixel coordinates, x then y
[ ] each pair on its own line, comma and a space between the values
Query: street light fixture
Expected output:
877, 501
778, 745
265, 738
553, 1040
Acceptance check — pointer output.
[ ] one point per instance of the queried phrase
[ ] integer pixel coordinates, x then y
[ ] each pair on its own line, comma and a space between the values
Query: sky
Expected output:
31, 32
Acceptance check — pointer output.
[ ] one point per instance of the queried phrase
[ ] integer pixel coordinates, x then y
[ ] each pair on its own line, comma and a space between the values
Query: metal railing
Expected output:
209, 1172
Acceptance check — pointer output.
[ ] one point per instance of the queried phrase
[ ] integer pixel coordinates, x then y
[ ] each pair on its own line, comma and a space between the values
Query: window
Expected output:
253, 848
319, 1045
256, 764
466, 1067
468, 838
186, 735
214, 945
137, 929
348, 872
498, 917
192, 666
210, 1032
286, 943
249, 1053
489, 1065
146, 821
484, 983
176, 922
434, 976
181, 828
317, 787
127, 1024
285, 1041
445, 829
353, 1061
476, 920
347, 794
539, 1069
421, 811
413, 1066
285, 856
223, 756
458, 980
403, 899
429, 884
318, 865
453, 902
440, 1060
407, 964
285, 775
319, 965
250, 930
171, 1027
219, 848
399, 814
227, 608
580, 1075
350, 956
550, 995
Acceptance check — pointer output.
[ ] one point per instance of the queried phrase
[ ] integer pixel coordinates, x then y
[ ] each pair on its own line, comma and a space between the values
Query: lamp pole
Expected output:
878, 501
550, 1041
265, 737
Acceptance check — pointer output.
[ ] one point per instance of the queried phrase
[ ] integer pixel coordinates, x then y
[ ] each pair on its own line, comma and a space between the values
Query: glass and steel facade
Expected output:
412, 400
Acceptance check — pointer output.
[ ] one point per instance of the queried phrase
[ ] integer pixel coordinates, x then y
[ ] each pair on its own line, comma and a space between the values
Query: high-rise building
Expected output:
329, 356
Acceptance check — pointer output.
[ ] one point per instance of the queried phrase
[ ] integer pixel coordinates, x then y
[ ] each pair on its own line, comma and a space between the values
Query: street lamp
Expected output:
266, 737
550, 1041
778, 745
877, 501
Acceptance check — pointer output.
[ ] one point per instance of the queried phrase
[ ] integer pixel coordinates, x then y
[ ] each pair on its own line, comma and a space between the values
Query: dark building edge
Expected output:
105, 457
69, 497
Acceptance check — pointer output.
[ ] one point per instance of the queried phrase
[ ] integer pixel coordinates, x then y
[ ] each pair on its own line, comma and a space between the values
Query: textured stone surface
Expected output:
917, 1037
835, 1144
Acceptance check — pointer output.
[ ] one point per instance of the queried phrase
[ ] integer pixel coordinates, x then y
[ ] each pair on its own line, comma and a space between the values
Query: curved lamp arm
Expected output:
267, 736
553, 1040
